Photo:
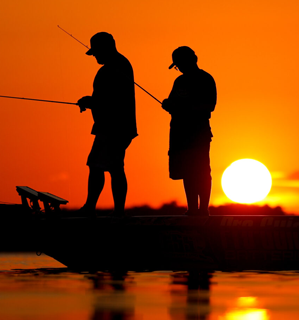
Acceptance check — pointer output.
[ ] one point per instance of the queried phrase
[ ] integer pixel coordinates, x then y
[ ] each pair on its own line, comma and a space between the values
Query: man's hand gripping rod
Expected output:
89, 48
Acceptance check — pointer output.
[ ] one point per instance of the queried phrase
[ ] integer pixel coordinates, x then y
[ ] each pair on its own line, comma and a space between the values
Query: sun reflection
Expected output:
246, 314
247, 302
246, 310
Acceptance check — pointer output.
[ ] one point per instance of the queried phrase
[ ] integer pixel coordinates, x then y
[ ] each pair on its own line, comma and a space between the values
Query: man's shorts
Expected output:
195, 161
107, 154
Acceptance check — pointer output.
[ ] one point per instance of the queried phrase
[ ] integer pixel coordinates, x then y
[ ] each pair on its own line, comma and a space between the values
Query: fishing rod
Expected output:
42, 100
89, 48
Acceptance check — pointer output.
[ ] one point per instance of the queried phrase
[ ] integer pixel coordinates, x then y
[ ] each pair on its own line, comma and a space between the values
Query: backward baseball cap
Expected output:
100, 39
181, 54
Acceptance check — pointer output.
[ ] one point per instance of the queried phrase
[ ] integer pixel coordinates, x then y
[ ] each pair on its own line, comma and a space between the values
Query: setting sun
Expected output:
246, 181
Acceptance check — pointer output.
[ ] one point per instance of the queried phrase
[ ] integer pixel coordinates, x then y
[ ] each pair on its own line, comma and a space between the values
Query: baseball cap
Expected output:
181, 54
100, 39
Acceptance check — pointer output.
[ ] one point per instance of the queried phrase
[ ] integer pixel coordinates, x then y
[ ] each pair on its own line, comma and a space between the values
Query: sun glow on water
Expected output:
246, 181
246, 309
246, 314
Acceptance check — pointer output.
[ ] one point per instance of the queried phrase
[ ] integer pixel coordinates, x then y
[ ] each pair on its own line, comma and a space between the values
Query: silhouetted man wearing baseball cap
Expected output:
190, 103
112, 104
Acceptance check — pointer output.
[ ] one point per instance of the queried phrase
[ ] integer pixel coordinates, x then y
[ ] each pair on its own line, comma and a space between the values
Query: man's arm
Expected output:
85, 102
175, 99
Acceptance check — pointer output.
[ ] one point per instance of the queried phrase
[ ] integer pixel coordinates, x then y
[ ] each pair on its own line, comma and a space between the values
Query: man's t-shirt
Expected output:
192, 99
114, 95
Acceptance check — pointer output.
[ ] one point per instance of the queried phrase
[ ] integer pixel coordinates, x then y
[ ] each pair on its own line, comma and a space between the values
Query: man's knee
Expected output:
117, 171
96, 171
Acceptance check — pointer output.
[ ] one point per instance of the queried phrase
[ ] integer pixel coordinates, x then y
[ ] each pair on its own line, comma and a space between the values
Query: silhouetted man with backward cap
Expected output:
112, 104
190, 103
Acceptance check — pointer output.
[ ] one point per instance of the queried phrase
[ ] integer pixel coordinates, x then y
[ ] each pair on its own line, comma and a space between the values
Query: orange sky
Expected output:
250, 48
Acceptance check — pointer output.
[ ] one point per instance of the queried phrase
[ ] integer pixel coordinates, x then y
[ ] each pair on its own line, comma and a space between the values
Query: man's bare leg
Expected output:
119, 189
204, 195
191, 191
96, 182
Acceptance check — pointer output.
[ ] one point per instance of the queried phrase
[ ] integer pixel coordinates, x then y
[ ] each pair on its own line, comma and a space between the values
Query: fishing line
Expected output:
89, 48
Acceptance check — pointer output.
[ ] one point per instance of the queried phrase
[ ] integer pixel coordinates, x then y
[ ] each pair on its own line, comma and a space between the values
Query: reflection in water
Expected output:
38, 288
246, 314
120, 305
195, 304
246, 310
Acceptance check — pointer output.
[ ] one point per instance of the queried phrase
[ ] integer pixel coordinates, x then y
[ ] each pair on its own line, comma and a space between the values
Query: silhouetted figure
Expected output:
113, 109
190, 103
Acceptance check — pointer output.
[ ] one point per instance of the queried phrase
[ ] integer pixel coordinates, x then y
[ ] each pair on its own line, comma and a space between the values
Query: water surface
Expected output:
38, 287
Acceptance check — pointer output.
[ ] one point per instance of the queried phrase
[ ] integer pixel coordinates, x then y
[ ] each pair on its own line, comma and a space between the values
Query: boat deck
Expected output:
174, 242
